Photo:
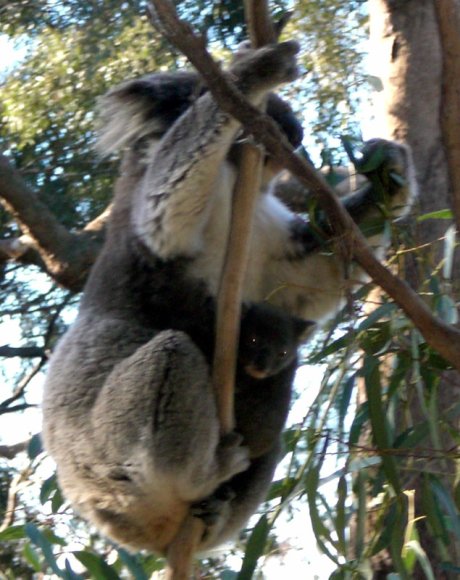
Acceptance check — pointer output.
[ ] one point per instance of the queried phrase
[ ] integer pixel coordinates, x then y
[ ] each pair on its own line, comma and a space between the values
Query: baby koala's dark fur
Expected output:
268, 340
267, 361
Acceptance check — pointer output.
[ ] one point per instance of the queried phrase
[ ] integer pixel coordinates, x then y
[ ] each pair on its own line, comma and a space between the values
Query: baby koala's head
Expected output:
269, 339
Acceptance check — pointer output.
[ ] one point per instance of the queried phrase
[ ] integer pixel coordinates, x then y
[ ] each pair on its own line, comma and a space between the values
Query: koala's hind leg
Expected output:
155, 419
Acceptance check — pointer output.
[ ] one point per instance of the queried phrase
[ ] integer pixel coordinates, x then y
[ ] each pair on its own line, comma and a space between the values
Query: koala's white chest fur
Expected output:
310, 289
270, 232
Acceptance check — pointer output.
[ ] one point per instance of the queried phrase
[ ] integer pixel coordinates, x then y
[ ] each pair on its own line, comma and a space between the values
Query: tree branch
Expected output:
66, 257
10, 510
448, 16
237, 251
444, 338
22, 351
10, 451
184, 545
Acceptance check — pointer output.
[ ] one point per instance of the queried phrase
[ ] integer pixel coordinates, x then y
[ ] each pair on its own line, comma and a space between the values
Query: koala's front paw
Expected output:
232, 457
267, 67
390, 164
214, 511
212, 507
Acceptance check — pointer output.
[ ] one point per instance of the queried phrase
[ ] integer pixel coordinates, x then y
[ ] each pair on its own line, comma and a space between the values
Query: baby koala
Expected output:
267, 361
269, 339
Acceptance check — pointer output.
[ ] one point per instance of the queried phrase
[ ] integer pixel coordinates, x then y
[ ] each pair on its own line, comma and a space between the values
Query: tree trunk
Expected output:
411, 61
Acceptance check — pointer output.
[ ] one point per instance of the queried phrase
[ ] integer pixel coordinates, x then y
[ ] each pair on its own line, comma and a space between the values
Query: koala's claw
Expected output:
267, 67
233, 457
210, 509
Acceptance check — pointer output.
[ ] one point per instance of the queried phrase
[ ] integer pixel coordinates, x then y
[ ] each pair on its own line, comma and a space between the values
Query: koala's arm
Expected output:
187, 173
388, 194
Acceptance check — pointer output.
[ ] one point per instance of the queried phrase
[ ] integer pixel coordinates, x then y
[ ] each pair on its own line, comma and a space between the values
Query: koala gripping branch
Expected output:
182, 549
236, 260
444, 338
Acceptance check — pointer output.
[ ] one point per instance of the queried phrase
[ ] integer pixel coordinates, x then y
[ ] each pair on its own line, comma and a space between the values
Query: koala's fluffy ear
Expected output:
144, 107
303, 328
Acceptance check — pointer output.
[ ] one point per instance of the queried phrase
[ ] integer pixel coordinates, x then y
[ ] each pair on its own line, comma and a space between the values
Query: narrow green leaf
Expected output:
322, 534
377, 414
341, 518
96, 565
52, 538
447, 502
441, 214
372, 161
361, 513
381, 312
447, 309
431, 509
12, 533
359, 421
345, 398
331, 348
133, 564
32, 557
35, 446
39, 539
375, 83
413, 547
57, 501
254, 548
48, 486
397, 542
69, 573
389, 522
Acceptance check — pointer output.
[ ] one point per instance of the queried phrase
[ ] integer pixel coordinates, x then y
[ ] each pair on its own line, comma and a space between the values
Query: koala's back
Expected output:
106, 468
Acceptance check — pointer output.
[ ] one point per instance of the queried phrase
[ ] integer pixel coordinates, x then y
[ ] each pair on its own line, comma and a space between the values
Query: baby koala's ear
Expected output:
303, 328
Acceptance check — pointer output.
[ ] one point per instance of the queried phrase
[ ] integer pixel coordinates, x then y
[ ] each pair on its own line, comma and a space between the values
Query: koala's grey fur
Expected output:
129, 414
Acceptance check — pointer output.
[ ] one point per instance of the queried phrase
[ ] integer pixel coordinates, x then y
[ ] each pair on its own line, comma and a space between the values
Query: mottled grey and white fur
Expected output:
129, 413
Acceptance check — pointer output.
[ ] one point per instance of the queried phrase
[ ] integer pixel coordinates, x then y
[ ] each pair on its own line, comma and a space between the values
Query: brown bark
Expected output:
406, 48
416, 46
65, 256
448, 15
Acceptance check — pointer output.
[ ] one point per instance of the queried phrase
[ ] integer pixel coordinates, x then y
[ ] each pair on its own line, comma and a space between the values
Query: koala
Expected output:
129, 412
267, 362
268, 340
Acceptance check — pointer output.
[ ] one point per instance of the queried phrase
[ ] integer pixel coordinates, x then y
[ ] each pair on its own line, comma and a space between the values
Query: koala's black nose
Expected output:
262, 360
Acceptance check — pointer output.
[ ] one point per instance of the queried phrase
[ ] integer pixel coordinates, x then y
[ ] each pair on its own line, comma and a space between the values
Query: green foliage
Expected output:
77, 50
332, 35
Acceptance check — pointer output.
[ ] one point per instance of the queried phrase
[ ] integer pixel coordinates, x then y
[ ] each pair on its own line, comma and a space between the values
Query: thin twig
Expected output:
236, 259
11, 504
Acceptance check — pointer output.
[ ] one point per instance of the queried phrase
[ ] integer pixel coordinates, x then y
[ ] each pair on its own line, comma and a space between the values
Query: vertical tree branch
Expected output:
231, 285
183, 547
12, 501
448, 16
236, 259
